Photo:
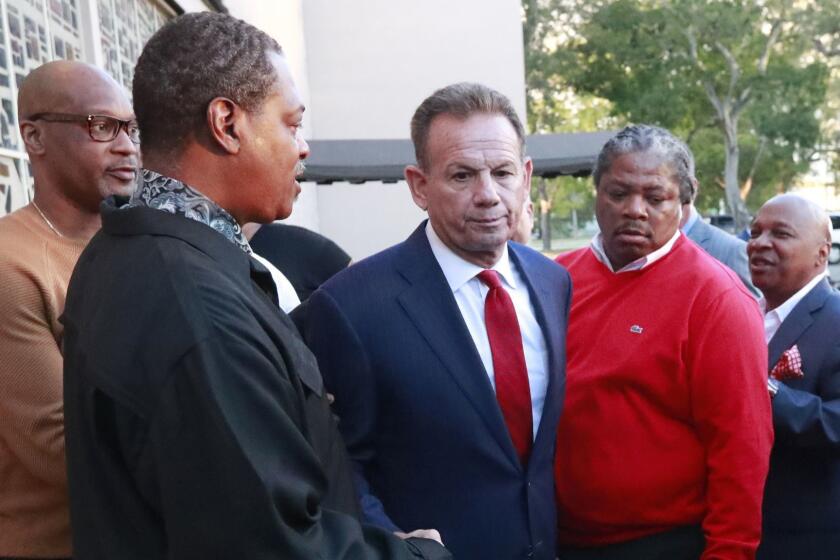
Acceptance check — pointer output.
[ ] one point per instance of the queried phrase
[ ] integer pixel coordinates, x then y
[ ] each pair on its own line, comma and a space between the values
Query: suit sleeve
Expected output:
741, 266
811, 420
236, 476
727, 248
347, 374
31, 378
731, 412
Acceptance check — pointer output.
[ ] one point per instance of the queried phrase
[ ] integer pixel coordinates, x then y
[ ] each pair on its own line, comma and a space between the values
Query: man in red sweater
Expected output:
664, 443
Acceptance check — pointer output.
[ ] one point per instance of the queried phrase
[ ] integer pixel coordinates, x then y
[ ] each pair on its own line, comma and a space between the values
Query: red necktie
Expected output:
511, 373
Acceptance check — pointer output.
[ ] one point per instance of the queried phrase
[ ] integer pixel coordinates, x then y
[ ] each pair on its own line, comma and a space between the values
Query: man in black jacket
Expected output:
197, 422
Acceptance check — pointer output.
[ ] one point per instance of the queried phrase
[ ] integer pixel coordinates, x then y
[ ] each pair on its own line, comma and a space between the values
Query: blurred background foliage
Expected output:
753, 86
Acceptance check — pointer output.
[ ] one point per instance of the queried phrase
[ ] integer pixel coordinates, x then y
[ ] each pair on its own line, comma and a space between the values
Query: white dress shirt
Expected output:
597, 247
287, 297
773, 318
469, 294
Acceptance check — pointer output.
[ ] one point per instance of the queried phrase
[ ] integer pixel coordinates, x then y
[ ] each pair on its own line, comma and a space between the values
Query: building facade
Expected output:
109, 33
362, 67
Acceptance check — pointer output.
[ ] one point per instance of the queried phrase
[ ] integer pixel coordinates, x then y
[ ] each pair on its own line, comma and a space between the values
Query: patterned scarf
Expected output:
171, 195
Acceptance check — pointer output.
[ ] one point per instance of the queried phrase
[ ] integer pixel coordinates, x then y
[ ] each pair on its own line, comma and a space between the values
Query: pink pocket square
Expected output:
789, 365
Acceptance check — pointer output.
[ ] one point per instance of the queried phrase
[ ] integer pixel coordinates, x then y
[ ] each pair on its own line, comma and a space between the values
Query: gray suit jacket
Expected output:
726, 248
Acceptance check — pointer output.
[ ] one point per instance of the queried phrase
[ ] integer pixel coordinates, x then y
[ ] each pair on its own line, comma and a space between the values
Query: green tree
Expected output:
822, 25
736, 78
553, 106
821, 22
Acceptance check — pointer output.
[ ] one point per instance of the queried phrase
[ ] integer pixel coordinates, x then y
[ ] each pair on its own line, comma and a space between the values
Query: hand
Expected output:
431, 534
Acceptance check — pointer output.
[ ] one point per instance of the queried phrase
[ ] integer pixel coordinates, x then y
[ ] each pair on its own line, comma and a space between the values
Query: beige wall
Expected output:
192, 5
367, 218
370, 64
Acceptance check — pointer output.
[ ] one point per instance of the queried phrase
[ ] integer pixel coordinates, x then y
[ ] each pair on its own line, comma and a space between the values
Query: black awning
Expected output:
573, 153
357, 161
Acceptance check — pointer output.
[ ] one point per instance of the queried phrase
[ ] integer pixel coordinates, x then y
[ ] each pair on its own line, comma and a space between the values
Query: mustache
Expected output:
300, 167
632, 227
126, 163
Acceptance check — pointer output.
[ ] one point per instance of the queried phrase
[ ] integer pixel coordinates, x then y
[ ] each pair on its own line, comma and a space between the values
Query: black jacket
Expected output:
196, 421
306, 258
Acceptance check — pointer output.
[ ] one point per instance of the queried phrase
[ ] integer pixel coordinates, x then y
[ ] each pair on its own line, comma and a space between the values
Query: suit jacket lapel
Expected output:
795, 324
431, 306
543, 298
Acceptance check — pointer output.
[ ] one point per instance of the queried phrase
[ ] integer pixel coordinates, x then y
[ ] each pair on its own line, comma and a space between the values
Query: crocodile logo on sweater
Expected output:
636, 329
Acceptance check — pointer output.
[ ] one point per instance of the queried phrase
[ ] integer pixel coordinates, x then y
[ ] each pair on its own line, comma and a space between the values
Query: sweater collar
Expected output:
597, 247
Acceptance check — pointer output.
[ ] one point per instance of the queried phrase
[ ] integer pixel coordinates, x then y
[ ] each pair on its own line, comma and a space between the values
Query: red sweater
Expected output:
667, 418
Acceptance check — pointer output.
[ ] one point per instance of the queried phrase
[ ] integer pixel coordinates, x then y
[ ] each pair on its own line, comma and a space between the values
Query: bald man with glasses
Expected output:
79, 130
101, 128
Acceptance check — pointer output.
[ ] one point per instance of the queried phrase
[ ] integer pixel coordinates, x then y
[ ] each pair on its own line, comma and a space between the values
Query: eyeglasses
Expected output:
101, 128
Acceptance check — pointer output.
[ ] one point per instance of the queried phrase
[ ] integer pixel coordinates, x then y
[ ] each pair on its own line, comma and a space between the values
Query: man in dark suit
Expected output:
196, 421
788, 248
446, 353
723, 246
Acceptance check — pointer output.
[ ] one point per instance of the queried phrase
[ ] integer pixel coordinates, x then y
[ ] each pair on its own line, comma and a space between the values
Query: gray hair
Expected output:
652, 139
461, 100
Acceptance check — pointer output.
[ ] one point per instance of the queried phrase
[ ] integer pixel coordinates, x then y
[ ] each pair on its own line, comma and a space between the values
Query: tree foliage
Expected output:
739, 79
822, 26
821, 23
553, 106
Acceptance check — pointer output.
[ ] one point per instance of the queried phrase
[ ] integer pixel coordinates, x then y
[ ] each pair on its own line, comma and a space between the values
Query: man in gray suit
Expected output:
723, 246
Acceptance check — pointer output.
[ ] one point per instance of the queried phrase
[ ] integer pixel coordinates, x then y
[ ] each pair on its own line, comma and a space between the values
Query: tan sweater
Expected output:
35, 267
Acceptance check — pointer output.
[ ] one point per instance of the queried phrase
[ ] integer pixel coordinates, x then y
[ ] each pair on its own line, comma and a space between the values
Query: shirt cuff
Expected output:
772, 387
